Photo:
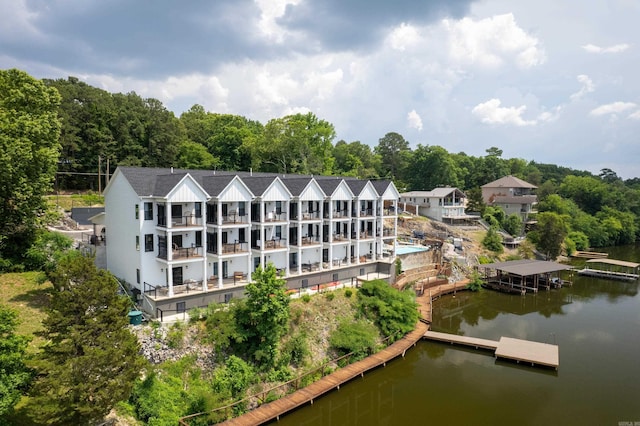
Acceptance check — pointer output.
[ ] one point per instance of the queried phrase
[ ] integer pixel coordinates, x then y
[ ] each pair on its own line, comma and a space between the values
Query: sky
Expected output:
546, 80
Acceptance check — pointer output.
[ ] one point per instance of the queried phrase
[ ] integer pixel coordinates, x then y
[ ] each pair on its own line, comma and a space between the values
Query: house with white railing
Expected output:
511, 194
185, 238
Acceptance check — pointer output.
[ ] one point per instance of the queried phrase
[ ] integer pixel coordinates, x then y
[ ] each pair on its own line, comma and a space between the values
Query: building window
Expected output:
335, 277
198, 209
305, 283
148, 242
181, 307
137, 211
138, 242
361, 271
138, 276
278, 231
228, 297
148, 211
198, 238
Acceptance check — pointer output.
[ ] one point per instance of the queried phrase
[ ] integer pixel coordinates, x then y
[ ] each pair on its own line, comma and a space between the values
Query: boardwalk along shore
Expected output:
273, 410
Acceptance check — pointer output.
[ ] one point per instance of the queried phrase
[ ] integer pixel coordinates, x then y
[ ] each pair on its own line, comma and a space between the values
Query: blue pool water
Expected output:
409, 249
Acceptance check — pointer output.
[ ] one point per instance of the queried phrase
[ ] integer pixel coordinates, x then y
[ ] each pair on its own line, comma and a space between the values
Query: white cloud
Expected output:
492, 113
612, 108
403, 37
587, 87
635, 115
616, 48
489, 42
270, 11
414, 120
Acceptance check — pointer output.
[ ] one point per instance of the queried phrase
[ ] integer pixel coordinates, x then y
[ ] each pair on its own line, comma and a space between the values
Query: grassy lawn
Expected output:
67, 201
23, 293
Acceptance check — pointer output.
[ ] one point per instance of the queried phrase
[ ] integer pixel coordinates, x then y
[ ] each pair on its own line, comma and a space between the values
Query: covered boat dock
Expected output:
611, 268
520, 276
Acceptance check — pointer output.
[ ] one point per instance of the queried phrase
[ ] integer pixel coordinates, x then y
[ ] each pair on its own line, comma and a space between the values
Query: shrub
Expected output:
329, 296
175, 335
358, 337
348, 292
492, 241
475, 284
306, 298
394, 312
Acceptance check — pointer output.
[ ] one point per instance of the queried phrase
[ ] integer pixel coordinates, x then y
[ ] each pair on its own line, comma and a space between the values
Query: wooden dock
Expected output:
518, 350
590, 254
273, 410
612, 269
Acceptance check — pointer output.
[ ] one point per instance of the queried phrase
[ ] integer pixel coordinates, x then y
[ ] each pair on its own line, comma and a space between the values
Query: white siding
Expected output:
121, 229
235, 191
276, 192
186, 191
342, 192
368, 192
312, 192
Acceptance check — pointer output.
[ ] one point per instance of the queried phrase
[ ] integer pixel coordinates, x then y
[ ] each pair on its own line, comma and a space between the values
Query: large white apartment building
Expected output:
185, 238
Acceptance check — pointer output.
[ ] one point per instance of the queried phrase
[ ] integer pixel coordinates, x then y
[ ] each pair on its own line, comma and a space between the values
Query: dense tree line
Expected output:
65, 131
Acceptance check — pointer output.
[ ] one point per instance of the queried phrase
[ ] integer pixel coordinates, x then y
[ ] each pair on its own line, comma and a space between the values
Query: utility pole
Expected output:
106, 182
99, 176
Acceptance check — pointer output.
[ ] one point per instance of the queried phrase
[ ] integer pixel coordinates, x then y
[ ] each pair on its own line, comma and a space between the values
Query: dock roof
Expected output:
527, 267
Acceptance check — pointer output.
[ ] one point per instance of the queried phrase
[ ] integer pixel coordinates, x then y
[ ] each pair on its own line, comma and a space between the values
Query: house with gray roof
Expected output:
512, 194
186, 238
442, 204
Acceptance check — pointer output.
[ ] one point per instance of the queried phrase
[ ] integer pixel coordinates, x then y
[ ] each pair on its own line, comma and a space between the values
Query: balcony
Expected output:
338, 238
273, 244
275, 217
235, 218
180, 253
310, 215
236, 247
180, 221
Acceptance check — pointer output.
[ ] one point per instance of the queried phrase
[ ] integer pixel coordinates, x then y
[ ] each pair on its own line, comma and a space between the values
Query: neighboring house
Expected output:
185, 238
513, 195
442, 204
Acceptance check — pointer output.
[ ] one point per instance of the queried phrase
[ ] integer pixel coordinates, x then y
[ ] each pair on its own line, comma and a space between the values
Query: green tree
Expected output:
300, 143
513, 224
549, 234
492, 241
46, 250
14, 374
580, 240
431, 167
265, 318
192, 155
90, 359
29, 149
394, 312
355, 159
395, 155
358, 336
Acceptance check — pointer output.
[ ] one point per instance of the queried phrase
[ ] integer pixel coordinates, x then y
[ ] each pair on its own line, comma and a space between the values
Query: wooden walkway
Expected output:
275, 409
518, 350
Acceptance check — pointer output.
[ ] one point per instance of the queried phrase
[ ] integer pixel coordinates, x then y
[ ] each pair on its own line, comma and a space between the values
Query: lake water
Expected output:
595, 323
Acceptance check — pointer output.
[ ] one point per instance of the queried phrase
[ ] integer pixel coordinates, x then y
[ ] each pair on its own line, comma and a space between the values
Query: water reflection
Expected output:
594, 323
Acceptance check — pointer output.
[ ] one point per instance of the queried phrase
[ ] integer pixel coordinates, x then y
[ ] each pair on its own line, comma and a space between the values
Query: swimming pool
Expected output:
409, 249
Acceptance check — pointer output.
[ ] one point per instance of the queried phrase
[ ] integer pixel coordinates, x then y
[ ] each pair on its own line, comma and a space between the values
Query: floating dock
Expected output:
590, 254
518, 350
612, 269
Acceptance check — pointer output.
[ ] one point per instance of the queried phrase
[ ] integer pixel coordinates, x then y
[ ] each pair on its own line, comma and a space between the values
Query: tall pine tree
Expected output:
91, 359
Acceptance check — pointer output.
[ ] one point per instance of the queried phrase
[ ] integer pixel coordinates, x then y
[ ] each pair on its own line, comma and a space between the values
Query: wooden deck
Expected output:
275, 409
518, 350
614, 275
590, 254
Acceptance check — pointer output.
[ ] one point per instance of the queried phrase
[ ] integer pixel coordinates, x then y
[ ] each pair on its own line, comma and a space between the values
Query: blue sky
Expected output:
551, 81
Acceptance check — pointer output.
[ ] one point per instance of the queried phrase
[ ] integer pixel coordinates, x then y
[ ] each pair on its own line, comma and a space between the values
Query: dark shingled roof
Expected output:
296, 185
214, 185
165, 183
356, 186
149, 181
526, 267
257, 184
381, 185
329, 185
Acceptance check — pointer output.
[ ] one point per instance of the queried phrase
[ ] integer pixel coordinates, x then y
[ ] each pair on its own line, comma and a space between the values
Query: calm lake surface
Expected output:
595, 323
